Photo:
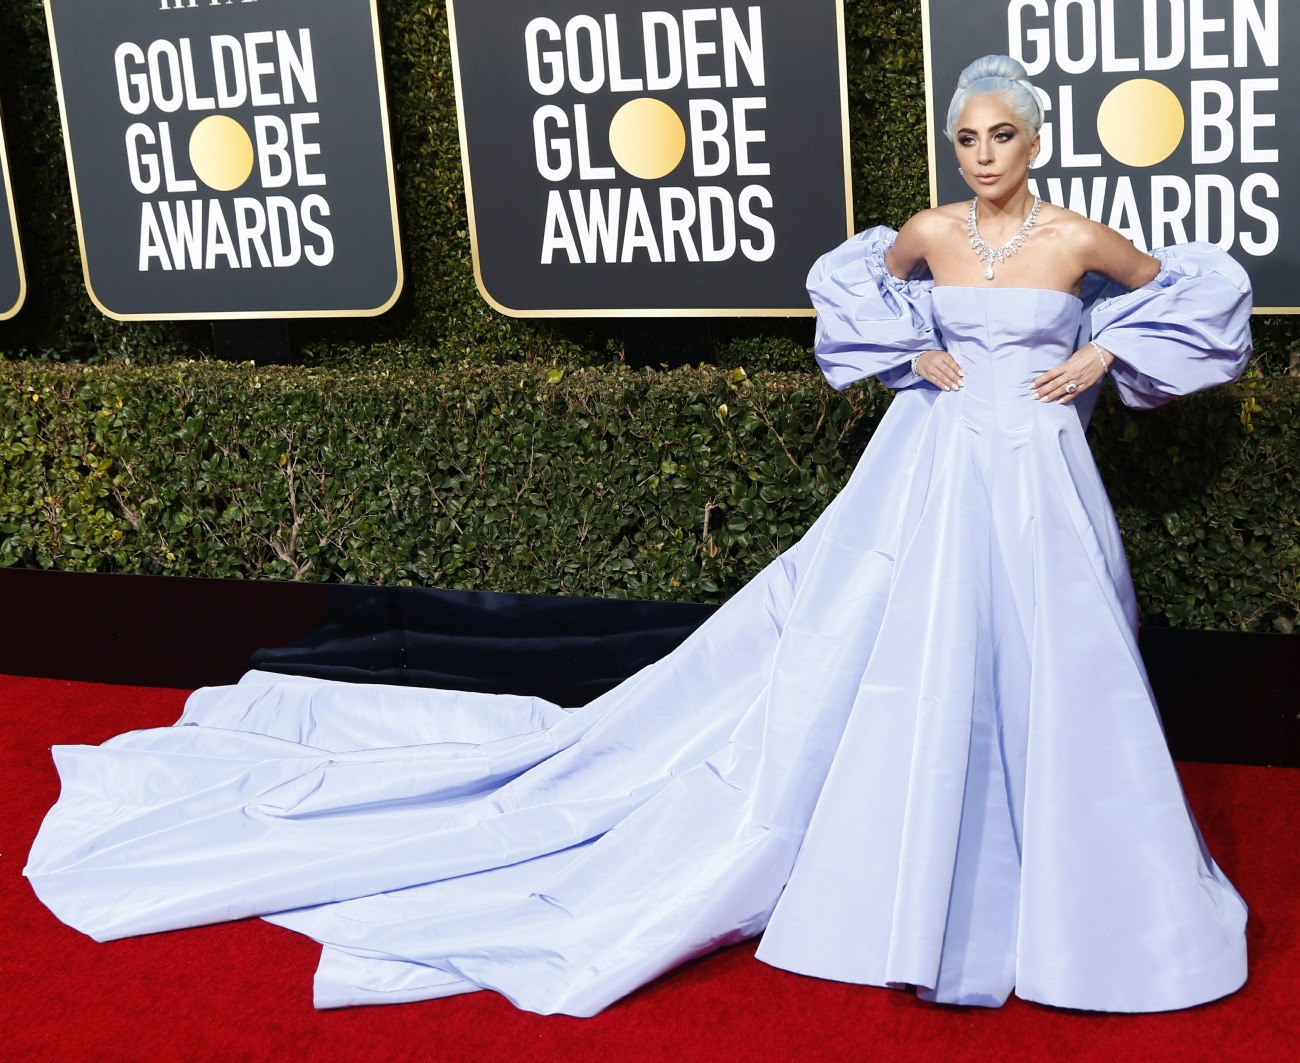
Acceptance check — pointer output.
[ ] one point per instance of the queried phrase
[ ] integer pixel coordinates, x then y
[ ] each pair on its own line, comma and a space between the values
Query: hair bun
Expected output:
997, 74
992, 66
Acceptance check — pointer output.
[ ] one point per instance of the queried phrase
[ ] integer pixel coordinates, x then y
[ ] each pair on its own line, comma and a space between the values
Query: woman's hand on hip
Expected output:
1067, 381
939, 368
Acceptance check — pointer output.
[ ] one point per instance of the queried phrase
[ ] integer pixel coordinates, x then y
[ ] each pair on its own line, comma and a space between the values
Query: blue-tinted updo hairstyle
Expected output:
1004, 76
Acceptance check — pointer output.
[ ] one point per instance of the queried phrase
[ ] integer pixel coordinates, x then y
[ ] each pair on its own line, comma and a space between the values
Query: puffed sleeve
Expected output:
869, 323
1188, 329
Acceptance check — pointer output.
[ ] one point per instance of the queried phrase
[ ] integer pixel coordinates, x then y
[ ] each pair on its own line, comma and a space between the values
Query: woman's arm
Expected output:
907, 260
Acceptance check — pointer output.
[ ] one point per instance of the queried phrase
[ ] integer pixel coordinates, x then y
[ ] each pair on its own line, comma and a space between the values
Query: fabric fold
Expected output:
869, 323
1185, 331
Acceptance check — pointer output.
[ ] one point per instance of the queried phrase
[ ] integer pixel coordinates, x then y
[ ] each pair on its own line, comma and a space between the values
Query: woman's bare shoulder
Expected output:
926, 228
1070, 226
1099, 248
938, 219
926, 235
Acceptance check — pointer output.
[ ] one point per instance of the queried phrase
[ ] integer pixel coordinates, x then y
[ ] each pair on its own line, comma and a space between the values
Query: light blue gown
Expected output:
919, 748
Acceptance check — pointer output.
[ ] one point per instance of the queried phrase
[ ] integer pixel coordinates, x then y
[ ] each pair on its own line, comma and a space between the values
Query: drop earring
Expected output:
961, 172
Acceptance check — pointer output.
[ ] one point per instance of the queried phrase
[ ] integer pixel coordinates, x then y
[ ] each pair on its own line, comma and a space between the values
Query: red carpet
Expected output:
243, 991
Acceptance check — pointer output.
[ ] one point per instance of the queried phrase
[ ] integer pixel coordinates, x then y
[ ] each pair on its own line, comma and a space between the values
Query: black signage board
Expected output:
1166, 119
228, 159
13, 282
641, 159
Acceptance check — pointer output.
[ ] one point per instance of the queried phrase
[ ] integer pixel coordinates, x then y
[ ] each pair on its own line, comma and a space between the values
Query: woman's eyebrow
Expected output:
992, 128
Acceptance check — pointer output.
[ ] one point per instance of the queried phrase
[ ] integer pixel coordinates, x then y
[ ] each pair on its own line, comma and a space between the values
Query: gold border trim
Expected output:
238, 315
5, 315
501, 308
927, 60
844, 119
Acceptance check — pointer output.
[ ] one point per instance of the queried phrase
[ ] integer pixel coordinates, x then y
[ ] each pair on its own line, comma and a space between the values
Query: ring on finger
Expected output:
1071, 388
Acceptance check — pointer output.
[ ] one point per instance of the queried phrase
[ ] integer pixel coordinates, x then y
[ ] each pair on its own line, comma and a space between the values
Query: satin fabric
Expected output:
919, 748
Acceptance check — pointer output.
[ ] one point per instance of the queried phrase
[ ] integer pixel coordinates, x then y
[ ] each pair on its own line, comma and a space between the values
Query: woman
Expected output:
918, 749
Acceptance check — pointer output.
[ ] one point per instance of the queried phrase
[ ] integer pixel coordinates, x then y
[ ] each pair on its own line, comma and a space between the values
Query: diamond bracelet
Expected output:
1101, 356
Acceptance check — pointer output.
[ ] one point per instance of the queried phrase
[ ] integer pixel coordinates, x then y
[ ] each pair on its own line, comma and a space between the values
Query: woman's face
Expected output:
993, 147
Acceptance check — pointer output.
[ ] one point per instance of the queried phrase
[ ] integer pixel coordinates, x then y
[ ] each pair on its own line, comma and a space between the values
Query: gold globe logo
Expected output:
1141, 122
647, 138
221, 153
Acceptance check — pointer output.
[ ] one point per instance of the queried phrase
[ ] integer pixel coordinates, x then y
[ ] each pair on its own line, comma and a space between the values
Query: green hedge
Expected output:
440, 318
674, 485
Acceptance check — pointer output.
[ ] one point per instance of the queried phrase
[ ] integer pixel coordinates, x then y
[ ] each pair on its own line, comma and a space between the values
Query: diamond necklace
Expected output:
998, 254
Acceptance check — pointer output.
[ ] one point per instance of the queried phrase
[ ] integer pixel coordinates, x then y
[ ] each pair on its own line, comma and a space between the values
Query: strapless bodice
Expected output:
1005, 337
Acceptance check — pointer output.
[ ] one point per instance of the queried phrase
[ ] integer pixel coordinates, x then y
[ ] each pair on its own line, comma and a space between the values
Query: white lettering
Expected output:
757, 194
736, 45
132, 88
196, 102
549, 83
296, 65
718, 244
558, 233
639, 231
164, 53
228, 66
1254, 184
184, 229
617, 82
172, 182
713, 136
303, 149
1069, 157
594, 224
1163, 215
677, 227
322, 255
1110, 59
1251, 120
151, 240
586, 171
1039, 38
1151, 57
274, 166
1204, 120
697, 49
1202, 27
574, 53
1224, 210
744, 136
543, 144
250, 227
142, 166
282, 224
1087, 57
656, 76
220, 243
1247, 22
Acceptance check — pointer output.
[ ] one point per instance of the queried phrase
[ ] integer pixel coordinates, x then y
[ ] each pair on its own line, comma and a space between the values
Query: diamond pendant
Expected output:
998, 254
